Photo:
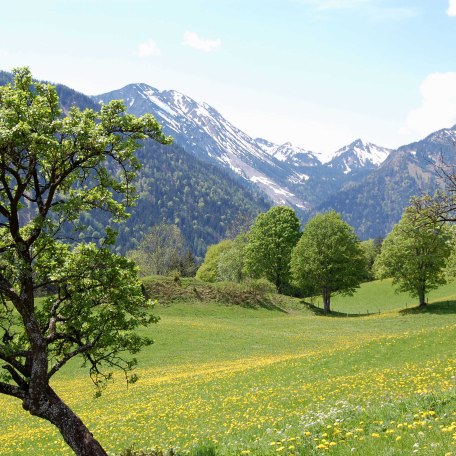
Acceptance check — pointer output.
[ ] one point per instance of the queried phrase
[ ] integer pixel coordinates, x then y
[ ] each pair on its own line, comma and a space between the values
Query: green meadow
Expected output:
378, 377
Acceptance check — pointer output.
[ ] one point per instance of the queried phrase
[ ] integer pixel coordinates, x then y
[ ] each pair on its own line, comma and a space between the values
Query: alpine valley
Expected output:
215, 179
368, 184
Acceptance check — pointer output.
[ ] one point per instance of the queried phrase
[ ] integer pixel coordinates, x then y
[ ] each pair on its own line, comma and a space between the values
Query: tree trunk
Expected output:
51, 408
422, 297
278, 284
327, 301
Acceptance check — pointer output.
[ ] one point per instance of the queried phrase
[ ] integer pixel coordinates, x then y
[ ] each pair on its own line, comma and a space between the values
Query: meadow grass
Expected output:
234, 380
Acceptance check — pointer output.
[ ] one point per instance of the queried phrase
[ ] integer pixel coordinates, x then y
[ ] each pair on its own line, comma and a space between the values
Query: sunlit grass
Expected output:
253, 381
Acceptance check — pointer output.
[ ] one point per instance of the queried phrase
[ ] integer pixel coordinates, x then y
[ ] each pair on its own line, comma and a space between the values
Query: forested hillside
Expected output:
375, 204
202, 200
175, 187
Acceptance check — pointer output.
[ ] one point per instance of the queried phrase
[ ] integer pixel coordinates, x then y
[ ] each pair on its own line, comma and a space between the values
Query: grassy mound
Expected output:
250, 294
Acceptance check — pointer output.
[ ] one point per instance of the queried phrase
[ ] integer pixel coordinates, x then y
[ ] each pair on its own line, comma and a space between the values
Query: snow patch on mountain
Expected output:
359, 155
298, 178
288, 153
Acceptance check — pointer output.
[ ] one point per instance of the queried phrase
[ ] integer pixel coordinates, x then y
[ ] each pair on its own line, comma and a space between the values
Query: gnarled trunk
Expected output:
51, 408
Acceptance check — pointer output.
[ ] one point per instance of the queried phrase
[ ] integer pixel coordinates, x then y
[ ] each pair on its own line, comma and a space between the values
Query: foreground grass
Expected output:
255, 381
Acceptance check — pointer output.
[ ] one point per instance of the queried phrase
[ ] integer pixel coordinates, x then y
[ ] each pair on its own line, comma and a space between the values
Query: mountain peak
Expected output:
288, 153
359, 155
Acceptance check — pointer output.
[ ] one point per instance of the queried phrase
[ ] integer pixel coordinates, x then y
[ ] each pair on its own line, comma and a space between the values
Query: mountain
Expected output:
375, 204
288, 153
204, 201
358, 156
67, 96
287, 174
370, 185
204, 132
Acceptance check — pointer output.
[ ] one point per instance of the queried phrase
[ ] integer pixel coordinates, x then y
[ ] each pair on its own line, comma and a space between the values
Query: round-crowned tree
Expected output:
328, 258
160, 251
270, 242
208, 271
415, 253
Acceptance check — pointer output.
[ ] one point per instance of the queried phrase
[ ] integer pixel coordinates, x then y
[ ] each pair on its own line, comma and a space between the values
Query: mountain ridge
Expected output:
285, 173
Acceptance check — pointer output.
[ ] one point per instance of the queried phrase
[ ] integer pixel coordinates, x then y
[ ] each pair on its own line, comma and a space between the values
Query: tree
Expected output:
271, 240
188, 265
54, 168
208, 271
371, 249
440, 207
160, 251
230, 266
328, 258
415, 253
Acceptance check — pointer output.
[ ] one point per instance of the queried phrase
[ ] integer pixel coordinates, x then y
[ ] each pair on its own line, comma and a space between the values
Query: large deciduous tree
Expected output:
53, 168
328, 258
208, 271
230, 266
415, 253
270, 242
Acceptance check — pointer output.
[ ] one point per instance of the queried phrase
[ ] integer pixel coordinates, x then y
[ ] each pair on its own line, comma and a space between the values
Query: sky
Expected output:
316, 73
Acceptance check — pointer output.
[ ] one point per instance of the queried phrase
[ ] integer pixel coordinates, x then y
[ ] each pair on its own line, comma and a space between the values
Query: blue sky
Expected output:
318, 73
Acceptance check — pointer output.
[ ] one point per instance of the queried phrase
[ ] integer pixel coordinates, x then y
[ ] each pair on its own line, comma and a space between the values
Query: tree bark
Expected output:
422, 297
327, 301
51, 408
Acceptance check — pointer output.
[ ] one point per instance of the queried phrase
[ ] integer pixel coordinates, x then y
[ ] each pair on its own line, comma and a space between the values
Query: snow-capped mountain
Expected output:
375, 203
202, 130
288, 174
359, 155
288, 153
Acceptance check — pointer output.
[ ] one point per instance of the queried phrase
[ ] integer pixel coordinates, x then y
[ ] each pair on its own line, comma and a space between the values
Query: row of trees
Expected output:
327, 256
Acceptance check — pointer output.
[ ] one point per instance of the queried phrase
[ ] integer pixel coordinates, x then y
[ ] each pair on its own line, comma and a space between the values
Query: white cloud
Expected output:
4, 53
451, 11
438, 105
147, 49
193, 40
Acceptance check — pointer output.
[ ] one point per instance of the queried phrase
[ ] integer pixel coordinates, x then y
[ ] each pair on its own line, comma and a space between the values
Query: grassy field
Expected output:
376, 378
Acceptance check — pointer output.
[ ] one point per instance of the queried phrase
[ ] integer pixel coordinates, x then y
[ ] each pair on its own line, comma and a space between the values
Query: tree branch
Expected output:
11, 390
7, 288
67, 357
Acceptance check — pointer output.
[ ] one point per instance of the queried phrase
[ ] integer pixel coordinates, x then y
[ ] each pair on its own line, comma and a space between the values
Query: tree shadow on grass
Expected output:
334, 313
444, 307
